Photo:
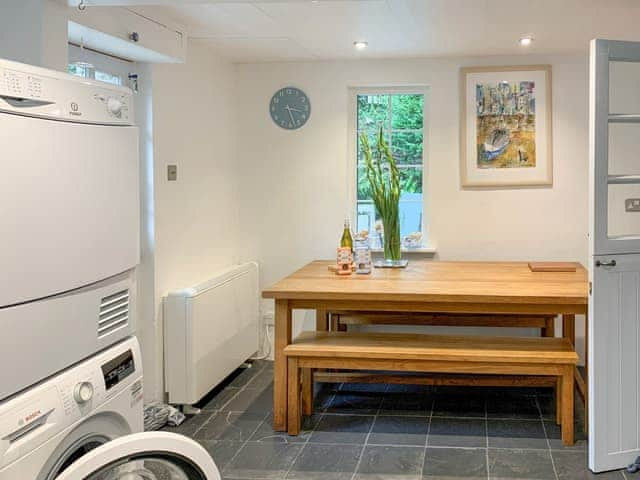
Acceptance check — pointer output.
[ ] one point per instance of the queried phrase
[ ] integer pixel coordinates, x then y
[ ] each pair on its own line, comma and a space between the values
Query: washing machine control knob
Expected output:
114, 106
83, 392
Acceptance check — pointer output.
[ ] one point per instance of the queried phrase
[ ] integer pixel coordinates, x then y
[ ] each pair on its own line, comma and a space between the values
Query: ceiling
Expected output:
299, 30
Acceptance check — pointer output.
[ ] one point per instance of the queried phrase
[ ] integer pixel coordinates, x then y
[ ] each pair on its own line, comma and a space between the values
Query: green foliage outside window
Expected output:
401, 118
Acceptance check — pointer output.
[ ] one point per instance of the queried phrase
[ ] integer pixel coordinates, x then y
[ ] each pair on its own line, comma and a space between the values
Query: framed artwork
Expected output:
505, 126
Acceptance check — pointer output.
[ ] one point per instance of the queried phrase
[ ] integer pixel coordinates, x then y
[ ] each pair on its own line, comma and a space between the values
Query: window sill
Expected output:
423, 250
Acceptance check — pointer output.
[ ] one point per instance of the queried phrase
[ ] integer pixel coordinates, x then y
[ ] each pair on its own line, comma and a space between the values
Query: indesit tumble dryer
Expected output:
69, 221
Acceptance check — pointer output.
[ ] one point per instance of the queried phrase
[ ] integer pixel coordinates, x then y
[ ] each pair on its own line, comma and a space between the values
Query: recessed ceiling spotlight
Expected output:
526, 40
361, 45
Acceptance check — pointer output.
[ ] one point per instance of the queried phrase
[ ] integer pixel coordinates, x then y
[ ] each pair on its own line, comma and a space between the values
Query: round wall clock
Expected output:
290, 108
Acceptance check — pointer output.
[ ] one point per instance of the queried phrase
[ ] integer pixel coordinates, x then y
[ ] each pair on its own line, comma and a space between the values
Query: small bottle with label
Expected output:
346, 240
362, 254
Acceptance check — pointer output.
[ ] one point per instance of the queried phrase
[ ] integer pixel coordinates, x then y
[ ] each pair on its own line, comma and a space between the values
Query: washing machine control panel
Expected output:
35, 415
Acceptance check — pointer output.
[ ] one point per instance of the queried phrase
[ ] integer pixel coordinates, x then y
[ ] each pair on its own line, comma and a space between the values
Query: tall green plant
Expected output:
384, 180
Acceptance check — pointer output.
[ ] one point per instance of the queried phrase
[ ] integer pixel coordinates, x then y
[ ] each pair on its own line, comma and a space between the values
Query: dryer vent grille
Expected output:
114, 313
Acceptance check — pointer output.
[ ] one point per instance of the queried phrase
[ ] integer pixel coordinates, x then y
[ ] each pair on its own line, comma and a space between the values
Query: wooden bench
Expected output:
340, 321
449, 354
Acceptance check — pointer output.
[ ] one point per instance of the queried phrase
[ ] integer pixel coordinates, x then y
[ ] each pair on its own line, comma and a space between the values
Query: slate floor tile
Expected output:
221, 399
573, 465
191, 425
507, 464
457, 432
375, 388
409, 389
221, 452
313, 463
251, 400
232, 426
265, 432
390, 463
516, 434
448, 405
244, 377
554, 435
262, 461
342, 429
359, 403
512, 407
413, 404
398, 430
262, 380
547, 407
455, 463
322, 399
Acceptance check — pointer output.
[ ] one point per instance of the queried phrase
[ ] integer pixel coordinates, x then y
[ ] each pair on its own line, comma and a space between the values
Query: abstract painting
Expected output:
506, 120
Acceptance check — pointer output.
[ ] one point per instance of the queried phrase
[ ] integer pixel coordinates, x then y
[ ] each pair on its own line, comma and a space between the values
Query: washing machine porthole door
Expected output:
145, 456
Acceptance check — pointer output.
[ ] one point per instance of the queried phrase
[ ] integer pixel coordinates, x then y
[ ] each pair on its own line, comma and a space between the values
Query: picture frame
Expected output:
506, 126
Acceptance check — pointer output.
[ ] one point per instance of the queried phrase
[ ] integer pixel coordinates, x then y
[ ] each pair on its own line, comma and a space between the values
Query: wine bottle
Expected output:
347, 239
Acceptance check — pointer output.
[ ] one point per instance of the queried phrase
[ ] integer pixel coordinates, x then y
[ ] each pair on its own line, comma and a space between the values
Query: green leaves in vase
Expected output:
384, 178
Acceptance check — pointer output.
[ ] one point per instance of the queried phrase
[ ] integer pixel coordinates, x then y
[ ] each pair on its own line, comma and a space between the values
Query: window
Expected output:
401, 115
87, 63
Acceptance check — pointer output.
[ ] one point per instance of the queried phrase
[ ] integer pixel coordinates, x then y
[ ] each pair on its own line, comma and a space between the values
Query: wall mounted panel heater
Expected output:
210, 329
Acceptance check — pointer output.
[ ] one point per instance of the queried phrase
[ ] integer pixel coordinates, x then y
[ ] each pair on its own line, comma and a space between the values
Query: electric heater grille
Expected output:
114, 313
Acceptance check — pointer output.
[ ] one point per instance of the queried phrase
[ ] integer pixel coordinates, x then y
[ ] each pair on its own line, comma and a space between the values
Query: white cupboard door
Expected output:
149, 455
614, 362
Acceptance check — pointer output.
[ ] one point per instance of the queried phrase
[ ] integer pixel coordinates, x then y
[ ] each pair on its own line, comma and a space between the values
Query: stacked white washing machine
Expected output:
70, 367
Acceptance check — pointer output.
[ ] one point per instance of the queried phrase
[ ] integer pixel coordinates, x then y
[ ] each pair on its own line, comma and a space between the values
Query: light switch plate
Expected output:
172, 173
632, 205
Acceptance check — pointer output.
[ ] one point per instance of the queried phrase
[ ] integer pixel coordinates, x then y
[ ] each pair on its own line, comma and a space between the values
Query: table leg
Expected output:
549, 329
307, 391
282, 339
569, 328
566, 417
322, 320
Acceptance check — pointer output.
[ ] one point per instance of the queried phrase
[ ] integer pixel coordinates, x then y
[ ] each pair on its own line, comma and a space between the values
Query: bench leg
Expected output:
567, 406
549, 329
293, 401
558, 400
307, 391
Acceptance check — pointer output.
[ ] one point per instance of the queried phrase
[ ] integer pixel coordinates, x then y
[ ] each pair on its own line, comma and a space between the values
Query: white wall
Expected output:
196, 217
34, 32
294, 184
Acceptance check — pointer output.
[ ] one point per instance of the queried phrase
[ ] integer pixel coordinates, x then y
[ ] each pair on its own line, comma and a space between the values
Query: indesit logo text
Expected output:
74, 109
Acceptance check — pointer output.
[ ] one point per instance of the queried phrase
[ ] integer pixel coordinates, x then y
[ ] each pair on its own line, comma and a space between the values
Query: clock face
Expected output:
290, 108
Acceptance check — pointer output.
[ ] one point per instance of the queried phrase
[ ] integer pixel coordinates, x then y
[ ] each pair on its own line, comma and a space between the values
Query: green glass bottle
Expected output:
347, 239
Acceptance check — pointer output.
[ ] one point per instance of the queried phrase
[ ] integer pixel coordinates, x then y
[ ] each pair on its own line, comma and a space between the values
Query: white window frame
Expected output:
352, 153
102, 62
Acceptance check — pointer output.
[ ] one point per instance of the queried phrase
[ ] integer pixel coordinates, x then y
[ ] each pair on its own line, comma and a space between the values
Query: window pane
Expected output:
79, 70
364, 189
407, 111
411, 180
373, 140
373, 111
407, 147
108, 78
403, 127
410, 213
